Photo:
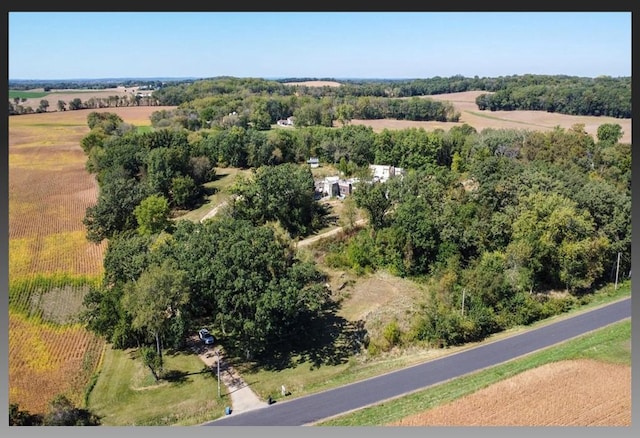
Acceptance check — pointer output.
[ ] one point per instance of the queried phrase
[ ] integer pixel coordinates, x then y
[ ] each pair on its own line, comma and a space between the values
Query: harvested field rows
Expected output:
51, 262
45, 360
50, 190
567, 393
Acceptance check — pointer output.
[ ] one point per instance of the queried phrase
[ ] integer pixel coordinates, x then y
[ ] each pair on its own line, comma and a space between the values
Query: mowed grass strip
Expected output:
611, 344
125, 393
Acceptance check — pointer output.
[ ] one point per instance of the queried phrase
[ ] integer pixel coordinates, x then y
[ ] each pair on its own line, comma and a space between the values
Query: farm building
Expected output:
286, 122
383, 172
345, 187
332, 186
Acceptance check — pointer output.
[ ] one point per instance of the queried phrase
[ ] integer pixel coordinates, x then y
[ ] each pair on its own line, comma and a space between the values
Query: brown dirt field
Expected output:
567, 393
316, 83
68, 95
464, 102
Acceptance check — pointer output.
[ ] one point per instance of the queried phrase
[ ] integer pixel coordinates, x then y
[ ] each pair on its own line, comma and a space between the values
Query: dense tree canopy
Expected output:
282, 193
496, 218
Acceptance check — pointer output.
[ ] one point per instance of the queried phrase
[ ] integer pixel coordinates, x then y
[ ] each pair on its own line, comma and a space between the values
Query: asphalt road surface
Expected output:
309, 409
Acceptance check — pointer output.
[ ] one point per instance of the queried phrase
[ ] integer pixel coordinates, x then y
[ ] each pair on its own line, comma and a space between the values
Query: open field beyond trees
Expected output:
33, 97
464, 102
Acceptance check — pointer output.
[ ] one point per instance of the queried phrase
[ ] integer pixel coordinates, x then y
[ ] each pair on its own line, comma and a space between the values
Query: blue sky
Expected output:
74, 45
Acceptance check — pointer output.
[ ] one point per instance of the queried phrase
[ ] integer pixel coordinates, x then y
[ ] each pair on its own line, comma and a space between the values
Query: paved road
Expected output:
309, 409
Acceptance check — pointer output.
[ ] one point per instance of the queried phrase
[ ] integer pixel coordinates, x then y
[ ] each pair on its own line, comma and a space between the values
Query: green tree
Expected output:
158, 296
309, 114
113, 212
109, 122
260, 116
44, 104
609, 133
349, 212
201, 169
344, 113
152, 360
372, 197
548, 234
152, 215
265, 297
163, 164
76, 104
94, 138
283, 193
184, 191
127, 255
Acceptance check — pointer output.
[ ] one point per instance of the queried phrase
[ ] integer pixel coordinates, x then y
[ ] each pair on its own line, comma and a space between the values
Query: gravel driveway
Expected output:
242, 396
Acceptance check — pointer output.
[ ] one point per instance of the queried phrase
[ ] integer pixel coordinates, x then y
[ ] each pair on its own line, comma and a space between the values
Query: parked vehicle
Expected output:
206, 337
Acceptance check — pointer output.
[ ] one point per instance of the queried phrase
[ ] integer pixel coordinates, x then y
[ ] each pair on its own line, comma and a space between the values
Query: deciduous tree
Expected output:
155, 298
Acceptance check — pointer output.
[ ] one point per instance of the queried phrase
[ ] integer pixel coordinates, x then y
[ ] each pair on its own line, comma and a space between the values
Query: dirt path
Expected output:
242, 396
213, 211
310, 240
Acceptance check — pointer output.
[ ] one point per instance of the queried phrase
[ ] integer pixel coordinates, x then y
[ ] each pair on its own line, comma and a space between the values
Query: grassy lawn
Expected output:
126, 394
225, 178
610, 344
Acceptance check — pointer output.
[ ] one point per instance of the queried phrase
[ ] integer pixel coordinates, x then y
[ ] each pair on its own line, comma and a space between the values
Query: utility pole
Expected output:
217, 352
617, 270
462, 309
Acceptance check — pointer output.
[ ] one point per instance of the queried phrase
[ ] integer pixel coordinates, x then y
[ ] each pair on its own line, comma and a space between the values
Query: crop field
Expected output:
555, 394
51, 263
33, 97
27, 94
47, 359
464, 102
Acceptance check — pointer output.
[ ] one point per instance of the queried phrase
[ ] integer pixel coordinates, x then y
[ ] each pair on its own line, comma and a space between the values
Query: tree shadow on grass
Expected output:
327, 339
176, 376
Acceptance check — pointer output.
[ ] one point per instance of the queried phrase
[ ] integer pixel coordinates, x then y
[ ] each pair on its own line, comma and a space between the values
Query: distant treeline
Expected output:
86, 84
600, 96
603, 96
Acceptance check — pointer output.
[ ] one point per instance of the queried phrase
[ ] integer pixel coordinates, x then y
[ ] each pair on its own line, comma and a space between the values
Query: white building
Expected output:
383, 172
